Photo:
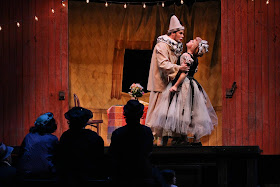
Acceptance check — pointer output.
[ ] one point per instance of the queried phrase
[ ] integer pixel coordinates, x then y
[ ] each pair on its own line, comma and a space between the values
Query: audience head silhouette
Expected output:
78, 117
133, 110
169, 176
5, 151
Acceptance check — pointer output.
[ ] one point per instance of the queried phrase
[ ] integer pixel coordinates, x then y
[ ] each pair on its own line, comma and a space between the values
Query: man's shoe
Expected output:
196, 144
164, 140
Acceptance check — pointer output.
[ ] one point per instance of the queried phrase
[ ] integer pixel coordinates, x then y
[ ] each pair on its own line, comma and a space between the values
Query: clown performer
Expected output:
163, 69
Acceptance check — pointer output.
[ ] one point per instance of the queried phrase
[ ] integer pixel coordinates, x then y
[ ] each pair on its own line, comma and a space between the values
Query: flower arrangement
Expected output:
136, 90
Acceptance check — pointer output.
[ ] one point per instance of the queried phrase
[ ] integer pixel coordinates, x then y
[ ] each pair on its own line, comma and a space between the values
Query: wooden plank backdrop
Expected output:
224, 51
34, 68
238, 70
271, 79
277, 77
250, 57
251, 75
34, 65
244, 110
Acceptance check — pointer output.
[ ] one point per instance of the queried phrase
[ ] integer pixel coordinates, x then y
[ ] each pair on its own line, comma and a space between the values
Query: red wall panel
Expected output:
250, 57
277, 77
34, 65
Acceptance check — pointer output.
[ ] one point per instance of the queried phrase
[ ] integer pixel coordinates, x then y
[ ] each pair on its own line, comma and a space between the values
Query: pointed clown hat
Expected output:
175, 24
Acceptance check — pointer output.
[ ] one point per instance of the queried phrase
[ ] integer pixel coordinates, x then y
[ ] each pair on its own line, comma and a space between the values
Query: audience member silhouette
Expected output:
37, 150
169, 177
80, 151
130, 148
7, 171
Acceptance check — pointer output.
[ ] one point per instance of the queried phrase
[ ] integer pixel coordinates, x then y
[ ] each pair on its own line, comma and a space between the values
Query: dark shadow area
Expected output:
200, 166
136, 68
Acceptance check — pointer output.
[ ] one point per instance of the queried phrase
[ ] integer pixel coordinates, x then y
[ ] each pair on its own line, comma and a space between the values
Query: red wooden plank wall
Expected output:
34, 68
250, 57
33, 65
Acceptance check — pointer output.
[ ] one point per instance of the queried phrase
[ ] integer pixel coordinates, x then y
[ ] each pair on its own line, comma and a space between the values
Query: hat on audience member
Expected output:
44, 119
78, 115
5, 151
133, 109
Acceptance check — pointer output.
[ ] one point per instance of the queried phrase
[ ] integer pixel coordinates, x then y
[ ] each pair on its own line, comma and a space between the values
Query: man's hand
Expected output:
184, 67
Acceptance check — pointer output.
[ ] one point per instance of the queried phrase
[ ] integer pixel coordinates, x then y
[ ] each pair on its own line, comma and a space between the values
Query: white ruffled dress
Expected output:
188, 111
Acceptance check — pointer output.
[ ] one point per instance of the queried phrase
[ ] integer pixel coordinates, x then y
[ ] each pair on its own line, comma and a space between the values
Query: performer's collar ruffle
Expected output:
176, 47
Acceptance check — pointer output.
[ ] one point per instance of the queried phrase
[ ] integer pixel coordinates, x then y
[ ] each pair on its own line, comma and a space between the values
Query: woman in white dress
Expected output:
187, 108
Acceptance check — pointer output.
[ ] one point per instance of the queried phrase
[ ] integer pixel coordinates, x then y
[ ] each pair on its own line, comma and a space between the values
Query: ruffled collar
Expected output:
176, 47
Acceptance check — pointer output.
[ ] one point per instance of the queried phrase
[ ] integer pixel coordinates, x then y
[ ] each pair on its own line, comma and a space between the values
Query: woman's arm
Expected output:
185, 59
174, 88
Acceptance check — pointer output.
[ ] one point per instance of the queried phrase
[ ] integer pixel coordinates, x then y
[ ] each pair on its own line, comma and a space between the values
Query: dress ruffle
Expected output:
176, 113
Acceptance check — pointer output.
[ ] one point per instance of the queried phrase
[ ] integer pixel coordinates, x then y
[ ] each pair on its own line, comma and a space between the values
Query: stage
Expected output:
205, 165
210, 164
218, 165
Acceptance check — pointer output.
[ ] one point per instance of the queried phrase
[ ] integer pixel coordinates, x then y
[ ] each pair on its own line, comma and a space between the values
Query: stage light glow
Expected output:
63, 4
144, 5
18, 24
36, 18
162, 4
125, 6
106, 4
